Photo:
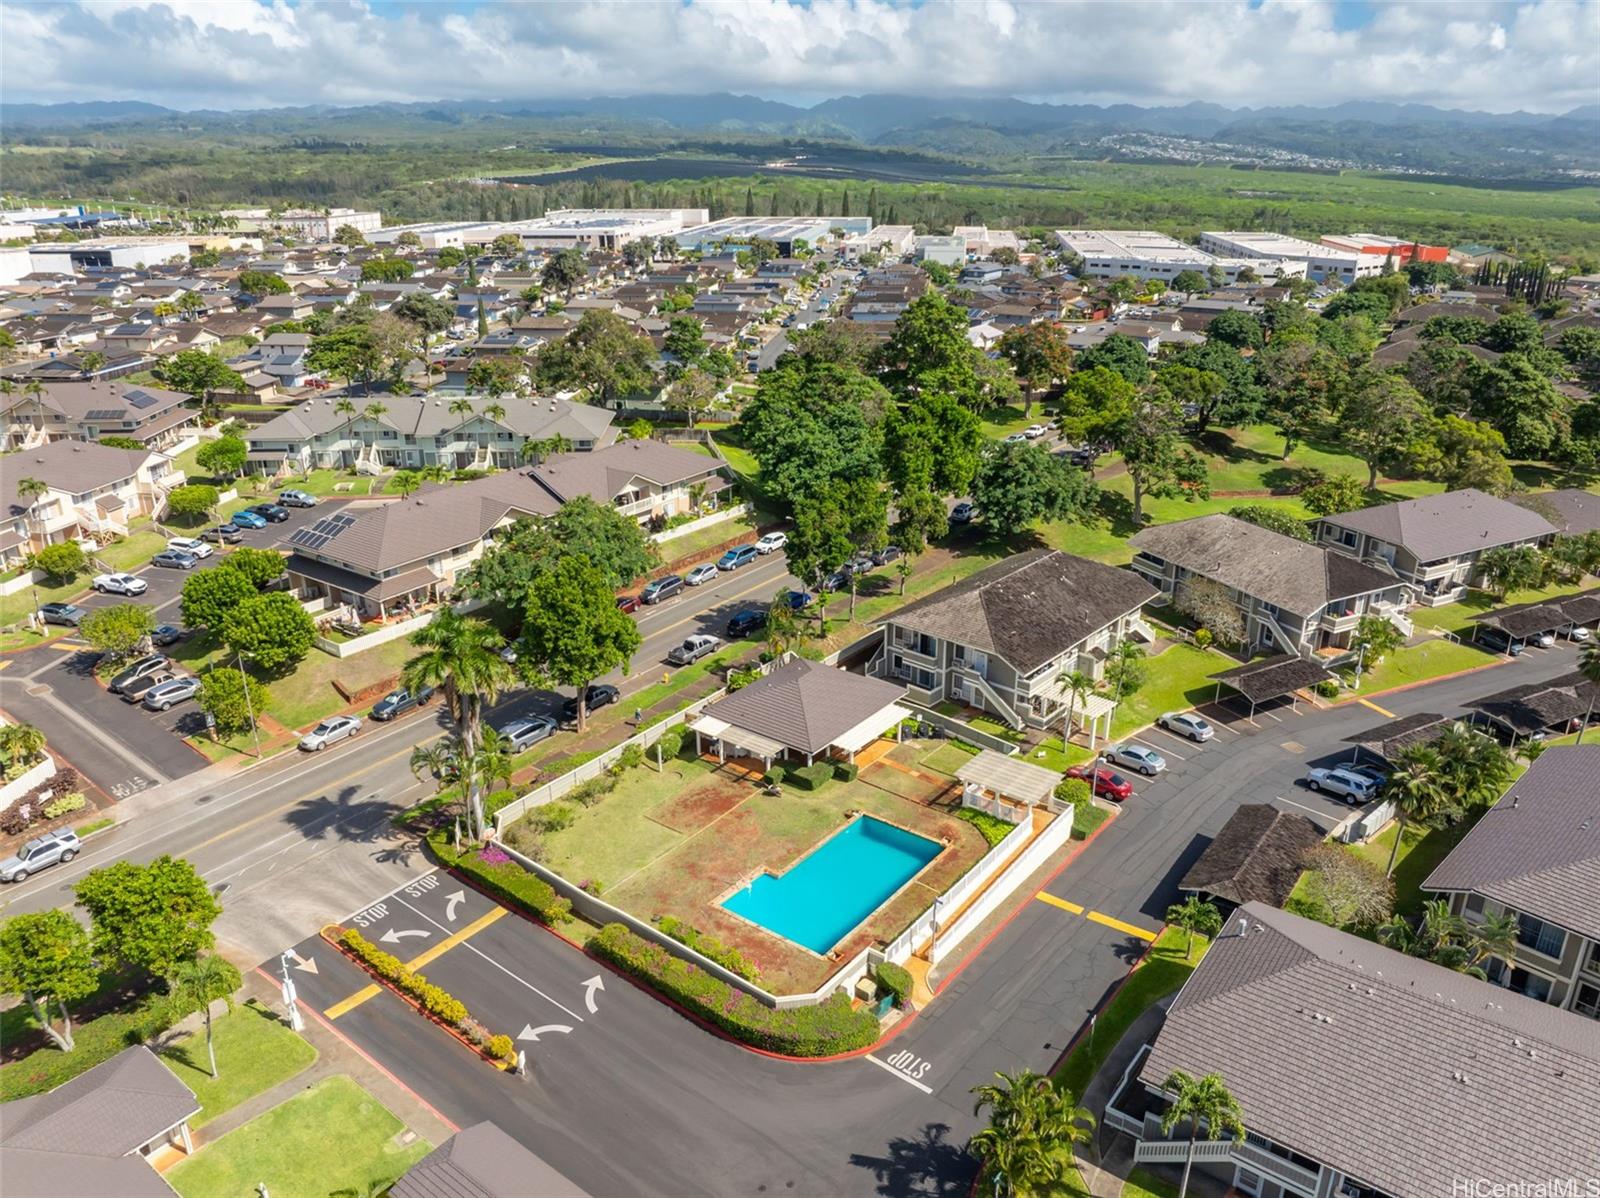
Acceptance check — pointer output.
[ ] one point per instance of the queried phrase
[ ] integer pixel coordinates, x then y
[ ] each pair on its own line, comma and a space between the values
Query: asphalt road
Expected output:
812, 311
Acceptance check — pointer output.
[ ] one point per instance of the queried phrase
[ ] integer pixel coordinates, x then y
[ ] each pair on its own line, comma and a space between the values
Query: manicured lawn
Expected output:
327, 482
691, 543
1142, 1183
332, 1136
307, 694
1459, 617
1177, 678
254, 1053
133, 551
20, 639
1417, 663
1164, 969
1420, 852
946, 759
999, 423
14, 609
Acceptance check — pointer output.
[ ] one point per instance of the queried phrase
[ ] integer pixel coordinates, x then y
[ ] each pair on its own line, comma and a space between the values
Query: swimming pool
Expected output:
836, 885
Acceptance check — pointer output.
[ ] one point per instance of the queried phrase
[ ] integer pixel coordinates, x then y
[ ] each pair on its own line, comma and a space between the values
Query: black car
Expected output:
224, 534
751, 619
145, 665
275, 512
594, 698
889, 553
1083, 456
399, 702
165, 634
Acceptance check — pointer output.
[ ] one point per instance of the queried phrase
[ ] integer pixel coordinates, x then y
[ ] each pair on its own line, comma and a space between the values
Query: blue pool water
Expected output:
837, 885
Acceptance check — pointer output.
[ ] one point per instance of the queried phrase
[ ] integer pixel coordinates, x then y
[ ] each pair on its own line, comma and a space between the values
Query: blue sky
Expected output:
1539, 55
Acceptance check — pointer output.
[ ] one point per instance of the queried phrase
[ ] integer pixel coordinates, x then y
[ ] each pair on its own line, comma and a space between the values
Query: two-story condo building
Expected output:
414, 431
1002, 639
91, 492
1361, 1072
1293, 596
1434, 543
1535, 855
88, 411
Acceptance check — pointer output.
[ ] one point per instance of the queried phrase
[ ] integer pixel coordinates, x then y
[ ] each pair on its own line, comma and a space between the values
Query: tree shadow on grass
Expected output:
1219, 443
926, 1167
1117, 510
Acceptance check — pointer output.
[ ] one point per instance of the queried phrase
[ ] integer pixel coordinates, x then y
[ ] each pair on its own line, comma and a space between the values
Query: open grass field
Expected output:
1418, 663
255, 1051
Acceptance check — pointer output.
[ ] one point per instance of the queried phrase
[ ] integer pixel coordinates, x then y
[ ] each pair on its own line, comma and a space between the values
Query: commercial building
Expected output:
983, 241
127, 253
580, 228
892, 241
1404, 252
321, 226
736, 231
1321, 261
948, 251
1145, 254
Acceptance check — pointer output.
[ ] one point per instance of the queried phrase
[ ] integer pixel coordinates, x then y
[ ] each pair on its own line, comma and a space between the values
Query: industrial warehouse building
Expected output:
1145, 254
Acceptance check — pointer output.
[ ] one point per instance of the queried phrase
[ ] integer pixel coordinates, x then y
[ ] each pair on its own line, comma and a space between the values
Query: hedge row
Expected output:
437, 1001
832, 1026
896, 980
730, 959
505, 880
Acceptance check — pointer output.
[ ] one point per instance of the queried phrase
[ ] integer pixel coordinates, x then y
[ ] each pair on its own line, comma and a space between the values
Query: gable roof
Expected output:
428, 416
1534, 706
1256, 857
805, 704
70, 466
1392, 1042
482, 1161
1028, 609
1572, 510
1448, 524
1538, 849
1298, 576
606, 473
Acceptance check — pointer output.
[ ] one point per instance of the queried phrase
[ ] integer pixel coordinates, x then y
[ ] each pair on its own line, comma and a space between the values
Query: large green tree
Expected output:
1039, 354
1158, 460
572, 631
232, 698
223, 457
1020, 484
209, 595
271, 630
153, 917
614, 543
812, 421
564, 270
603, 354
929, 350
199, 374
1383, 422
1121, 354
1237, 329
46, 958
260, 566
120, 630
1519, 402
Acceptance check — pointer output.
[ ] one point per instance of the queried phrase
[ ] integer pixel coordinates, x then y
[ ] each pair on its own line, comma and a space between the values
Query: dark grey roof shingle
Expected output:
482, 1161
806, 705
1447, 525
1256, 857
1535, 706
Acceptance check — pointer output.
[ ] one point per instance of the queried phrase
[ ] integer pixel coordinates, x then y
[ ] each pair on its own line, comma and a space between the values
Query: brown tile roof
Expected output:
1334, 1046
1535, 706
606, 473
1256, 857
1538, 849
806, 705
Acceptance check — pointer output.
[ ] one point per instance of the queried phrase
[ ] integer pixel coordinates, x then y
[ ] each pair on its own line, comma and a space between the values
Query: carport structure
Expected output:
1535, 707
1005, 786
1271, 678
1522, 621
1388, 740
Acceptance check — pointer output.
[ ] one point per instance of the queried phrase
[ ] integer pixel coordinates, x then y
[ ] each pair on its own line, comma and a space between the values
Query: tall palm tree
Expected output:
1589, 667
201, 982
1495, 938
1078, 686
35, 389
374, 412
348, 410
1417, 791
1030, 1121
495, 411
1201, 1100
461, 656
29, 491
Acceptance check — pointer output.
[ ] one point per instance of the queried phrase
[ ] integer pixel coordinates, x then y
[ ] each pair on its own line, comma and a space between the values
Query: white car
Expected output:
191, 545
330, 731
703, 573
120, 584
771, 542
1187, 723
1034, 431
1017, 439
1136, 757
1355, 789
1576, 632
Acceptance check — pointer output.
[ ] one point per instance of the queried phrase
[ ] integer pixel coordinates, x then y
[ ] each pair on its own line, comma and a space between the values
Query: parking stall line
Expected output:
1159, 748
1303, 807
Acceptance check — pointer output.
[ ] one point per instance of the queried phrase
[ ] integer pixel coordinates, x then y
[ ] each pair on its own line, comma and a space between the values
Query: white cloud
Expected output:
1542, 56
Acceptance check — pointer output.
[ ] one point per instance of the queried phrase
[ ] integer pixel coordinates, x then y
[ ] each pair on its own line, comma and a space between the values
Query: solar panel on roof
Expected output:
140, 399
104, 414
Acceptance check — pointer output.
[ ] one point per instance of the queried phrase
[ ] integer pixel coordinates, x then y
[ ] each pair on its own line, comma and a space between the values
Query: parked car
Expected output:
693, 649
771, 542
739, 555
297, 499
1493, 638
399, 702
173, 691
1034, 431
797, 600
166, 634
145, 665
275, 512
69, 614
1136, 757
245, 518
520, 734
1108, 784
861, 564
120, 584
1348, 785
1083, 455
1377, 777
330, 731
1186, 723
136, 690
175, 559
1543, 639
1016, 439
839, 580
889, 553
224, 534
193, 546
751, 619
1575, 632
595, 697
962, 513
700, 575
627, 603
39, 853
662, 588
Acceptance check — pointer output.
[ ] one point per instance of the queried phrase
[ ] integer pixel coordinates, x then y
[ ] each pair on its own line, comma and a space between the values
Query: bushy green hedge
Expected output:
730, 959
97, 1040
830, 1027
506, 880
437, 1001
846, 771
994, 828
811, 777
1086, 817
894, 980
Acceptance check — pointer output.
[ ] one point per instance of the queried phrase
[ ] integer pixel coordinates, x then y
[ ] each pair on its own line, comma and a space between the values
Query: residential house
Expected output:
1572, 511
1434, 544
275, 308
1292, 596
1002, 639
280, 356
87, 411
1535, 856
91, 1137
1362, 1072
92, 492
417, 431
482, 1161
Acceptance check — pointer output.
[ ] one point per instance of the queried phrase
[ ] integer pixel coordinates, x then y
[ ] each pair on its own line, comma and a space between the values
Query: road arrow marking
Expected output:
595, 983
454, 901
529, 1032
305, 963
393, 935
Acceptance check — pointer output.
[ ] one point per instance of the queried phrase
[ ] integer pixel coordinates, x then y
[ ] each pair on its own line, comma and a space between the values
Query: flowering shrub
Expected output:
435, 1000
493, 854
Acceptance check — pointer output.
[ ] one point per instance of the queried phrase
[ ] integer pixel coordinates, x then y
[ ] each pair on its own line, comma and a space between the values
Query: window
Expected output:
1475, 904
1543, 938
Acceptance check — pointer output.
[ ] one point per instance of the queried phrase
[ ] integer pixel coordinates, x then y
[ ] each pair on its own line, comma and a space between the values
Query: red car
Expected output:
627, 603
1108, 784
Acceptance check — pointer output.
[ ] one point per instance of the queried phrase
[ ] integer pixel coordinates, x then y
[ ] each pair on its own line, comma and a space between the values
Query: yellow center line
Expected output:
1376, 708
1056, 902
417, 962
1129, 928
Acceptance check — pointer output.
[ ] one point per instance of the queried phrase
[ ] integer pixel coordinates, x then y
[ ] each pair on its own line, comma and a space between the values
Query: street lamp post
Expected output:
289, 996
244, 684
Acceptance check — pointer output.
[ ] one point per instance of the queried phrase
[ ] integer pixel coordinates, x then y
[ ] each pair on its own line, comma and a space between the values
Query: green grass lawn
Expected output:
1417, 663
332, 1136
327, 482
1164, 969
255, 1051
307, 694
691, 543
1142, 1183
133, 551
15, 608
1459, 617
999, 423
1421, 850
96, 1040
1178, 678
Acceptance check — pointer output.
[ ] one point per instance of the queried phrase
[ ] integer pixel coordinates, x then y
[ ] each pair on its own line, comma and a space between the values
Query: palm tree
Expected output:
462, 656
29, 491
406, 480
433, 760
1417, 791
1078, 685
1495, 937
348, 410
1030, 1121
92, 361
374, 412
1201, 1100
35, 389
540, 450
495, 411
1589, 667
201, 982
1194, 915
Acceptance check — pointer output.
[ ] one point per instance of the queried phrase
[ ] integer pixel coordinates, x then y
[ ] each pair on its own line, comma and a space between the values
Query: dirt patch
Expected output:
376, 691
694, 809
